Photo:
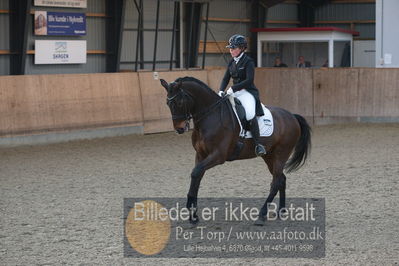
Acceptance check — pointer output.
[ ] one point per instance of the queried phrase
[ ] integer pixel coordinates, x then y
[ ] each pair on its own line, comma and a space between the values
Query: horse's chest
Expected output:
199, 146
199, 143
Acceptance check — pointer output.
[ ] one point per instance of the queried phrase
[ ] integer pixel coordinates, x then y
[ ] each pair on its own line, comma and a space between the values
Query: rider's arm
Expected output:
248, 81
225, 80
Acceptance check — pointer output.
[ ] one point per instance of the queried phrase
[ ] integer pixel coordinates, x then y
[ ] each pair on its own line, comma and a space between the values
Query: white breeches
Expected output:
248, 101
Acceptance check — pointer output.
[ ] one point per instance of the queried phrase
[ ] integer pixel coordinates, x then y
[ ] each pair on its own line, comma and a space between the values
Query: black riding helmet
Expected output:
237, 41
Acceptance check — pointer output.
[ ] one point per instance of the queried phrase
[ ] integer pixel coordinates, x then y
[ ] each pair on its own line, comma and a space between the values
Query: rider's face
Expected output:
235, 52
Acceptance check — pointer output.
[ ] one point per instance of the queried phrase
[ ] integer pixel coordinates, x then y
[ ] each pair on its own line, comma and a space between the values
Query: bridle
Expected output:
187, 116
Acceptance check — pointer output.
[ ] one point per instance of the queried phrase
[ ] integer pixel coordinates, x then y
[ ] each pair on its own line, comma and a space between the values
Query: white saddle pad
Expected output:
265, 123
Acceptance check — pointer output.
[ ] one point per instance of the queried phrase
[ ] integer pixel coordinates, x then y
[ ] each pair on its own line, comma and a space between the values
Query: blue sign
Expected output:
59, 23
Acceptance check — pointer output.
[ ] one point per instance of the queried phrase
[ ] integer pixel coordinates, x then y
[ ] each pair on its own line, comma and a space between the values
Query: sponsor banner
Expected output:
62, 3
60, 52
160, 228
59, 23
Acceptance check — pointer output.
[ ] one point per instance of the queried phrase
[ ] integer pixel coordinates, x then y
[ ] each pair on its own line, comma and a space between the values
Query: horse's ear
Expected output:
164, 84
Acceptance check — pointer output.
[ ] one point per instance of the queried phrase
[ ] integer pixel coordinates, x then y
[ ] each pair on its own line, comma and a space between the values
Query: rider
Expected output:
242, 69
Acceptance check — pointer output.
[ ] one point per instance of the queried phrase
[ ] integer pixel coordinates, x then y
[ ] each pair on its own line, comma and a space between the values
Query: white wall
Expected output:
387, 33
364, 53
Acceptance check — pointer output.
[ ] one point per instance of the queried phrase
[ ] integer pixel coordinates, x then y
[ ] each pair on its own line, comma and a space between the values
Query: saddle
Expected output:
265, 122
265, 125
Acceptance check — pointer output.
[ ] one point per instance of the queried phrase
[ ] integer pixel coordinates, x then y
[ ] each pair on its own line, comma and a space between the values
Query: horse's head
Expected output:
180, 103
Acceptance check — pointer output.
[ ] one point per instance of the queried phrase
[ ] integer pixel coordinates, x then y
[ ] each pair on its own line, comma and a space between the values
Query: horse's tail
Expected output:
302, 147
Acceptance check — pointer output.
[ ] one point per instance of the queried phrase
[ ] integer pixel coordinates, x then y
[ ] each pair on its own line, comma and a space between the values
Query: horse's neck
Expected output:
203, 98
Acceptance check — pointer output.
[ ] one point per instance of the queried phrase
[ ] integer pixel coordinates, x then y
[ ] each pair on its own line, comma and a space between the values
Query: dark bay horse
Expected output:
216, 134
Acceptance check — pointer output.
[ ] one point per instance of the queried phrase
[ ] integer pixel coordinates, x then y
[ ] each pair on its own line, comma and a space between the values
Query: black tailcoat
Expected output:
243, 78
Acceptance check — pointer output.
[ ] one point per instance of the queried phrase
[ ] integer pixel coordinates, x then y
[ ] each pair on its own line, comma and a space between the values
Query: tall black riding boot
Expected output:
259, 149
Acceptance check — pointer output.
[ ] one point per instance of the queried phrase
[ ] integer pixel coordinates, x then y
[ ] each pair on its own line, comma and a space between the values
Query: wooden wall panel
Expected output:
215, 76
335, 95
288, 88
213, 47
157, 117
379, 92
41, 103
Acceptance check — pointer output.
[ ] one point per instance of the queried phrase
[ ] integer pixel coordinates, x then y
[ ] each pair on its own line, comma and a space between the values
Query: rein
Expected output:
201, 115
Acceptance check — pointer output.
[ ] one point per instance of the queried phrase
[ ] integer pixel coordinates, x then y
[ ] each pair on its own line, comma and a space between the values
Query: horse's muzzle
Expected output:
180, 130
181, 126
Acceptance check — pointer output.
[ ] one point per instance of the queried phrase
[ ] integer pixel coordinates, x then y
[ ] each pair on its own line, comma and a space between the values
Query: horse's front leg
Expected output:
201, 165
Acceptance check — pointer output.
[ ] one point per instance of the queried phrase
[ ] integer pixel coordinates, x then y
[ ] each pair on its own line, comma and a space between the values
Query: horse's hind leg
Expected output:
281, 206
269, 163
278, 184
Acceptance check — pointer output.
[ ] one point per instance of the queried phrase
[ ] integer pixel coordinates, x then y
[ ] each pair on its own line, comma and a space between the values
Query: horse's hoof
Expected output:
260, 221
194, 221
282, 212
